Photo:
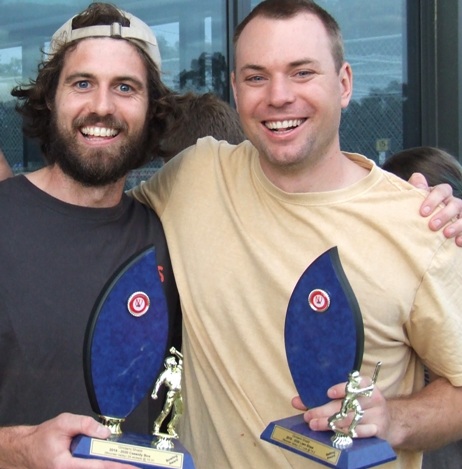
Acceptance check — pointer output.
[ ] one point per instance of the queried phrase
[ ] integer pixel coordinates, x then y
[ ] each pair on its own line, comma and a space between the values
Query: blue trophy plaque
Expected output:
125, 346
324, 339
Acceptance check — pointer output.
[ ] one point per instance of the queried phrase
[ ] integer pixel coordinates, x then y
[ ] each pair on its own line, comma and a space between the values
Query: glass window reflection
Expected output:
375, 46
192, 38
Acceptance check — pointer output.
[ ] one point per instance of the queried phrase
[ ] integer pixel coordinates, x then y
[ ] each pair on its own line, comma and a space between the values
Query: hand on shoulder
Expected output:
449, 217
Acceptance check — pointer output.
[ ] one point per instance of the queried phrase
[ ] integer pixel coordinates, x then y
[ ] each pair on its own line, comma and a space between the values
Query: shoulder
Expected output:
13, 183
193, 171
18, 191
208, 148
206, 156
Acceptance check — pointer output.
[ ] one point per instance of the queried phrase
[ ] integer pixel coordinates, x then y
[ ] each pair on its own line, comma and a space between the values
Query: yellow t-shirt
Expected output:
239, 245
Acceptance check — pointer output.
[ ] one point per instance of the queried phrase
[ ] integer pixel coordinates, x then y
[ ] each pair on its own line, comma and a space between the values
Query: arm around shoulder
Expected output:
448, 217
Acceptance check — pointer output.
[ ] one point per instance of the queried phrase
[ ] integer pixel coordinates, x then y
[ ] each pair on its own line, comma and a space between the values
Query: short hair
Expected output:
285, 9
34, 97
200, 115
435, 164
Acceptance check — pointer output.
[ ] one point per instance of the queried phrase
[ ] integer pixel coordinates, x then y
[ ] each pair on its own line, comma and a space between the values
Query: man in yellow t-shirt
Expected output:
244, 222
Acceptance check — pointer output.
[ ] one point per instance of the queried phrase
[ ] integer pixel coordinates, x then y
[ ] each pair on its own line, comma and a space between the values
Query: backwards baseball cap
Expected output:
137, 32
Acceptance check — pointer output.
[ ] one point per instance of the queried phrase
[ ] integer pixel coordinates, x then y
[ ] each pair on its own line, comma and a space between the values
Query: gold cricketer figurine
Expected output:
344, 439
171, 377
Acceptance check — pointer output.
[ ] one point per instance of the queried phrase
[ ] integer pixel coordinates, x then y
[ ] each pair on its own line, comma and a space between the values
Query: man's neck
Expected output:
338, 172
57, 184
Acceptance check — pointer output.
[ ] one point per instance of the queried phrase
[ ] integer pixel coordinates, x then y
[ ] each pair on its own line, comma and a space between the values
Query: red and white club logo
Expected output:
138, 304
319, 300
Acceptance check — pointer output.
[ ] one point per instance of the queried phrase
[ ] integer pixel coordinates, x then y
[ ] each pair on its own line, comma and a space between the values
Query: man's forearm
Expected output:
11, 441
46, 445
428, 419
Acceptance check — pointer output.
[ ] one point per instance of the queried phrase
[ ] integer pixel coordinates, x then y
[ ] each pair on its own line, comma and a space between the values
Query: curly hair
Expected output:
35, 99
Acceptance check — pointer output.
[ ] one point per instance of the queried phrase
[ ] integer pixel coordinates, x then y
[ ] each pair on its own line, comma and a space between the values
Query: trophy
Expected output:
171, 377
125, 345
324, 340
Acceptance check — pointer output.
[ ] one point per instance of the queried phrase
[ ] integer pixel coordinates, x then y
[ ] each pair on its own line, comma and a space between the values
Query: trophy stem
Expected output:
113, 423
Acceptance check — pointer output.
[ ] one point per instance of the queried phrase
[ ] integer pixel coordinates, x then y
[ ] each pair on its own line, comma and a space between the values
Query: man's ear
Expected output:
346, 83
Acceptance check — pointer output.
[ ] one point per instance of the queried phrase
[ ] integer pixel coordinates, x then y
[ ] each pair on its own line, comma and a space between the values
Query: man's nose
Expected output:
102, 102
280, 91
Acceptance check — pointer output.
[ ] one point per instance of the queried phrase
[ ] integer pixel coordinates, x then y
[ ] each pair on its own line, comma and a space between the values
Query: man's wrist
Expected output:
12, 443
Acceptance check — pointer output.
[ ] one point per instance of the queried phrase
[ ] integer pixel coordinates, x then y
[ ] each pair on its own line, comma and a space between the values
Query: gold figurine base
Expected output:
113, 423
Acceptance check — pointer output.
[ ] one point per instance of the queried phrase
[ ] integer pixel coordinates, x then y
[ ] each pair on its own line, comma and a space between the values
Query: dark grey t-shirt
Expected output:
54, 260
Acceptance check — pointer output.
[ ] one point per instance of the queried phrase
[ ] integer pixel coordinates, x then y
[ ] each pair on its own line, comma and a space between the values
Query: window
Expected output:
192, 36
382, 41
375, 46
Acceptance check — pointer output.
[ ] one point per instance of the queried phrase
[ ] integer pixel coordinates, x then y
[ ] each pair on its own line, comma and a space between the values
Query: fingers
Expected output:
459, 241
69, 425
454, 230
418, 180
298, 404
90, 427
450, 214
337, 391
375, 420
442, 193
366, 428
47, 446
451, 211
317, 417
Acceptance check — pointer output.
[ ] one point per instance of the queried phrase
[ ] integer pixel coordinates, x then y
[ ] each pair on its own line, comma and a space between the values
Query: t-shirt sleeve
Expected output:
435, 325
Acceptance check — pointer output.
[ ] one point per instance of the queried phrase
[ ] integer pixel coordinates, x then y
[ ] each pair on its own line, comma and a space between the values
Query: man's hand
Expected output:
449, 217
427, 419
375, 421
46, 446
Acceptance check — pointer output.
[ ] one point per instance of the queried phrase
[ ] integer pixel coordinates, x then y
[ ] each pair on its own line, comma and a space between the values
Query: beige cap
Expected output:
138, 32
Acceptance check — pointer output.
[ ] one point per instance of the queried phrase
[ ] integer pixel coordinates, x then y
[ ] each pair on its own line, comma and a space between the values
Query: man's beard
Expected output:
100, 166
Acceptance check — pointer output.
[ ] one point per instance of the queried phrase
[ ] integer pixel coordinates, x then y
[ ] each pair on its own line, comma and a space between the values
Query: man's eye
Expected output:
83, 85
255, 78
304, 73
125, 88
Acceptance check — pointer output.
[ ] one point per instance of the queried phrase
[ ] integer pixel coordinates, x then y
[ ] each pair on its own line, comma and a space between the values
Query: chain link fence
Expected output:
11, 139
373, 122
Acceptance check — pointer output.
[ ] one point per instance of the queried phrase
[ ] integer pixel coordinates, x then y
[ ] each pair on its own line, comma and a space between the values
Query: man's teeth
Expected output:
99, 131
283, 125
